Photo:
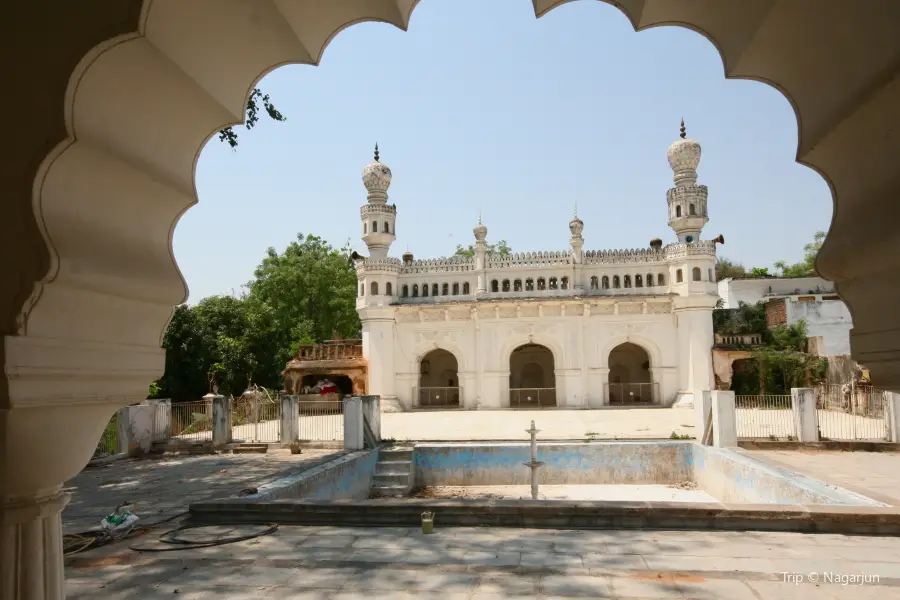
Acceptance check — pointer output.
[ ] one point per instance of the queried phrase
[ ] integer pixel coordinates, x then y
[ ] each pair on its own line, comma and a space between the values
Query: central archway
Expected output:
438, 380
532, 381
630, 380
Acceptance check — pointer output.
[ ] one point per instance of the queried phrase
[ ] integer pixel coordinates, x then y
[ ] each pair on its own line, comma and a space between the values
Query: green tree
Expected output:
501, 248
726, 268
231, 337
760, 272
257, 98
807, 266
311, 289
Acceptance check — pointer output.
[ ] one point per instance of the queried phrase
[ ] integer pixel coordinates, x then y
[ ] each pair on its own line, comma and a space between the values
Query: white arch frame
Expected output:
649, 346
541, 340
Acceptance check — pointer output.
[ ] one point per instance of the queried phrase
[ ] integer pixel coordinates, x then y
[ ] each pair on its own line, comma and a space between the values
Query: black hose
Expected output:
171, 537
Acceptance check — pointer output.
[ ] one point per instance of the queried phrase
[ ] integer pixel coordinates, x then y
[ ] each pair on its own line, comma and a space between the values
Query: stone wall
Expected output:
776, 312
564, 463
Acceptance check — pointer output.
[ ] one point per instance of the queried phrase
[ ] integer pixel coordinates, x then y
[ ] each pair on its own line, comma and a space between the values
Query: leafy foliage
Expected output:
257, 97
305, 294
743, 320
807, 266
501, 248
726, 268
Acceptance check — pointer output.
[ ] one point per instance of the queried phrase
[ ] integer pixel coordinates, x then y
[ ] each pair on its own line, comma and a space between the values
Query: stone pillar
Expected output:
290, 419
806, 421
135, 428
695, 341
371, 408
162, 426
221, 421
31, 551
353, 424
702, 408
378, 348
724, 421
892, 415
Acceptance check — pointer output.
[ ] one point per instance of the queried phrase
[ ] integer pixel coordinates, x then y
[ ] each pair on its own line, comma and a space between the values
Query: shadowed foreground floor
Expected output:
330, 563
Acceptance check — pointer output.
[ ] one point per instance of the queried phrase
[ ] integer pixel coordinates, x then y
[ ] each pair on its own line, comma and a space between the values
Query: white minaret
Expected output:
687, 200
378, 217
576, 228
480, 232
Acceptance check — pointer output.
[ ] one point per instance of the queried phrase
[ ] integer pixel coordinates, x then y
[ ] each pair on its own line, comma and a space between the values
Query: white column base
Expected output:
31, 551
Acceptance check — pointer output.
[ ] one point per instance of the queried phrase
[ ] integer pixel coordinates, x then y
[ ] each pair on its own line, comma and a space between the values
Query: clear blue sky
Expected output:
517, 117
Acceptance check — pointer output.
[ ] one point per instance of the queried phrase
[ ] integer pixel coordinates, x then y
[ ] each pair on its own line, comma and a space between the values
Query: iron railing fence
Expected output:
255, 418
532, 397
438, 397
321, 418
191, 421
765, 417
851, 412
109, 439
631, 394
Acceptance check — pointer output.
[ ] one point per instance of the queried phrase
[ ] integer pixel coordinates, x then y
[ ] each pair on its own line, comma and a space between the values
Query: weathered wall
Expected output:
828, 319
564, 463
732, 477
580, 344
346, 478
750, 291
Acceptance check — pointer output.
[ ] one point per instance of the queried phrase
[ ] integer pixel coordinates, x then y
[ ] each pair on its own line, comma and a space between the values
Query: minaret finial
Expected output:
576, 210
683, 134
479, 217
376, 145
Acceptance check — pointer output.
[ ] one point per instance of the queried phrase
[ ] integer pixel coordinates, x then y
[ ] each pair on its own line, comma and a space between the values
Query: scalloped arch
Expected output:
141, 107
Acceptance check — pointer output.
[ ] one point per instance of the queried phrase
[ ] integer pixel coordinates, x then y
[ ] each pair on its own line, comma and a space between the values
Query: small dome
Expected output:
576, 226
480, 231
684, 154
376, 176
407, 257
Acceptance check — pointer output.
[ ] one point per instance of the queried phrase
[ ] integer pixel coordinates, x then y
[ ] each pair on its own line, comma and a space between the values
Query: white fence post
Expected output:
290, 419
724, 419
221, 420
372, 413
353, 424
803, 406
702, 409
892, 414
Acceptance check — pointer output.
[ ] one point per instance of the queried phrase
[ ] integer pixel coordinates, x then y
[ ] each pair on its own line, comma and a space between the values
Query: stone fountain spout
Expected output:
534, 464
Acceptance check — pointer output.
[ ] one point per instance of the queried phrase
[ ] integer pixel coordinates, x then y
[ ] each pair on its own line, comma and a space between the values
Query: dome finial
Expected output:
576, 210
683, 135
376, 143
479, 218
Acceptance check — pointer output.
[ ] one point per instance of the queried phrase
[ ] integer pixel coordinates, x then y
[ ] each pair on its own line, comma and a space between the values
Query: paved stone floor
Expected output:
873, 474
450, 425
163, 487
330, 563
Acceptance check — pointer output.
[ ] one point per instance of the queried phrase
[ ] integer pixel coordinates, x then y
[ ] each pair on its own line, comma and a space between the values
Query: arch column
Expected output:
695, 341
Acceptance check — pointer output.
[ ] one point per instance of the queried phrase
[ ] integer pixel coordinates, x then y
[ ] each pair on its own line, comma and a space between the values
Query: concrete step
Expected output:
389, 490
250, 449
395, 456
391, 479
393, 466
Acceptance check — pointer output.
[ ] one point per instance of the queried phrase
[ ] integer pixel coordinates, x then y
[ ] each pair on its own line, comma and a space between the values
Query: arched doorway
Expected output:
438, 380
532, 381
630, 381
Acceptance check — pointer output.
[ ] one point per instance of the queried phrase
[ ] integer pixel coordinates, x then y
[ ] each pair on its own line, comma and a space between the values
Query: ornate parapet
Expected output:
453, 264
377, 209
344, 357
738, 340
698, 248
627, 256
529, 259
377, 265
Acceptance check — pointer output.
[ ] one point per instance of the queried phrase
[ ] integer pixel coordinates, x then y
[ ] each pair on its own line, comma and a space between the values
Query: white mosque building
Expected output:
572, 329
